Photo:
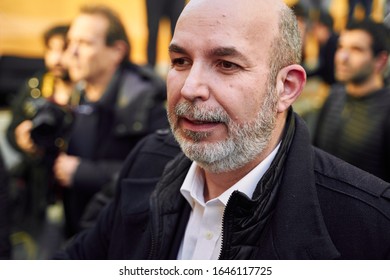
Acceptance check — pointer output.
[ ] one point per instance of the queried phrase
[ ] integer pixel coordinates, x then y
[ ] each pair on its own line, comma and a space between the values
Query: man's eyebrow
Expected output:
219, 51
176, 48
229, 52
224, 51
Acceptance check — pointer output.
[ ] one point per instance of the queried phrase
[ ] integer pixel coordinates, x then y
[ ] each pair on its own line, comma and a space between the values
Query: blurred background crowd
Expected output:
31, 31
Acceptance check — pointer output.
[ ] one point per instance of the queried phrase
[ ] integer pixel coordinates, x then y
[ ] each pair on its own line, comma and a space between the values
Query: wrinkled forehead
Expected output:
260, 9
254, 21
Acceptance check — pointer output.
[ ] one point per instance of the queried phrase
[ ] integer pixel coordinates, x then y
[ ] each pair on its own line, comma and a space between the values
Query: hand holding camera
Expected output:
23, 137
51, 125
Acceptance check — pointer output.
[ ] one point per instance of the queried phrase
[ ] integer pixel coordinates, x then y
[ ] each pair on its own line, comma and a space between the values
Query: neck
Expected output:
218, 183
62, 91
94, 92
358, 90
95, 88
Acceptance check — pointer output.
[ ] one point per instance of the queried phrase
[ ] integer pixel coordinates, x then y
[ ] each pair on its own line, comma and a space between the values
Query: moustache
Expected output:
203, 114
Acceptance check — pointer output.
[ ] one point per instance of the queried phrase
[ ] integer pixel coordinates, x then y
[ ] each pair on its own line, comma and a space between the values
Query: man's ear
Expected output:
119, 50
381, 61
289, 85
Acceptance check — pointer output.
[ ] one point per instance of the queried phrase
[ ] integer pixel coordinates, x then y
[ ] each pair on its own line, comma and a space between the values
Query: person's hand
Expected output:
64, 168
23, 137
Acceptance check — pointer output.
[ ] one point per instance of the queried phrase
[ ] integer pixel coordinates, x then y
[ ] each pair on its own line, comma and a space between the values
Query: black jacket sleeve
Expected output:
146, 161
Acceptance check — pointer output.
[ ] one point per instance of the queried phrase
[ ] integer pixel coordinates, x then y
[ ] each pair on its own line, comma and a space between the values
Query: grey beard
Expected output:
243, 144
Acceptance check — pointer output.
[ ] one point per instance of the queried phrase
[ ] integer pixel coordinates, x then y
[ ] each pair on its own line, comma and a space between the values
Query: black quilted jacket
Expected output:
323, 208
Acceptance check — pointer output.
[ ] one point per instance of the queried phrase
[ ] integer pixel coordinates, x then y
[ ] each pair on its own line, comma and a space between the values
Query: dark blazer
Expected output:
325, 209
132, 107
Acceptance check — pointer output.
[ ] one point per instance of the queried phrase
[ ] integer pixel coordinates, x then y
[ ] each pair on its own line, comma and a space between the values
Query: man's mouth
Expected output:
198, 125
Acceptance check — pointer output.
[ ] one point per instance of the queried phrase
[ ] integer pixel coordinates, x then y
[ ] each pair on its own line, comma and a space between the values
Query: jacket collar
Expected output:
295, 231
298, 228
246, 219
170, 211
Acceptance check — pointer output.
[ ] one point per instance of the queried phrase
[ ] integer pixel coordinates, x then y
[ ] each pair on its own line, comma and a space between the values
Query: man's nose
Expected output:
72, 49
196, 85
342, 55
57, 57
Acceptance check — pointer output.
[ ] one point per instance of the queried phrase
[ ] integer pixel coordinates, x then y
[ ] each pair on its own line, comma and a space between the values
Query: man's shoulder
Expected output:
337, 91
346, 182
143, 72
151, 154
136, 80
337, 97
162, 140
385, 94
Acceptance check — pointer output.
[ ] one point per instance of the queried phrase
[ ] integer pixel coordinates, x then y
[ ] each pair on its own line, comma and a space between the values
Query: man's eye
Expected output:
179, 62
226, 65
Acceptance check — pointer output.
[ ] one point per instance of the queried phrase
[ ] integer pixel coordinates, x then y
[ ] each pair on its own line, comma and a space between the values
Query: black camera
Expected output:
51, 125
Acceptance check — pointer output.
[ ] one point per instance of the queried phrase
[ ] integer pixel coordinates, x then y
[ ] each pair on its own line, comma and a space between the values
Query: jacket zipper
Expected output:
224, 231
153, 247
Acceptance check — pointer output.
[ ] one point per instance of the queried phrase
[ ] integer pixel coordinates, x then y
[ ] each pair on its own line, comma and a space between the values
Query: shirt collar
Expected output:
193, 185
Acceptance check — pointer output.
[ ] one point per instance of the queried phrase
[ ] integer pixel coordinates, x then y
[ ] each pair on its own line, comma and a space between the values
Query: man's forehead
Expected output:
88, 25
227, 26
94, 21
356, 36
216, 12
234, 5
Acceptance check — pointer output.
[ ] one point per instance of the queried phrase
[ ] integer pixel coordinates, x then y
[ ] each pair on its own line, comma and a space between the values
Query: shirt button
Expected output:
209, 235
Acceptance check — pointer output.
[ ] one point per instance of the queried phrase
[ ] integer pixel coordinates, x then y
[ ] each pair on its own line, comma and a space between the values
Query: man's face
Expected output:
89, 58
54, 56
354, 59
220, 106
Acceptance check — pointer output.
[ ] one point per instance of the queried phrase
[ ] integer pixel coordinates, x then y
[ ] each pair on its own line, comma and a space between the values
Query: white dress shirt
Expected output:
202, 238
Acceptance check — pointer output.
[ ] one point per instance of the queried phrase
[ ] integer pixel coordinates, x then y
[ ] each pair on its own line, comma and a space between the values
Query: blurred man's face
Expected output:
54, 56
354, 59
88, 56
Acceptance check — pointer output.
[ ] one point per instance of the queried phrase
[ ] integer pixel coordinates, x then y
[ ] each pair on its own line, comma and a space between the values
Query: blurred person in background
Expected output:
120, 103
366, 5
354, 123
34, 192
5, 244
322, 29
301, 12
386, 22
156, 10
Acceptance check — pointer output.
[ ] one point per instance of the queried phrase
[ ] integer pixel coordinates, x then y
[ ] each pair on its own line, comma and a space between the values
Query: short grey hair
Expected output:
286, 47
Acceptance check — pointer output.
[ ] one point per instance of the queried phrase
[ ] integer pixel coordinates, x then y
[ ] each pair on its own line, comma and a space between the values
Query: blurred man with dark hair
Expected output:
354, 123
121, 102
54, 84
35, 193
